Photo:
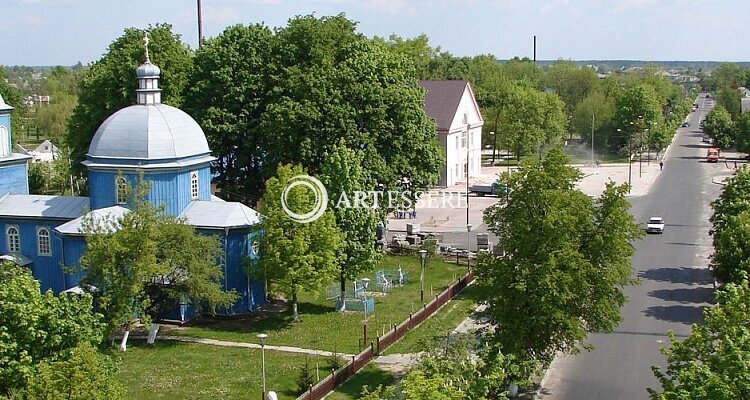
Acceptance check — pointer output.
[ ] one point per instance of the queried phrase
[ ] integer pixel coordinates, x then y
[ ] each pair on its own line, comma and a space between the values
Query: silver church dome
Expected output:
149, 133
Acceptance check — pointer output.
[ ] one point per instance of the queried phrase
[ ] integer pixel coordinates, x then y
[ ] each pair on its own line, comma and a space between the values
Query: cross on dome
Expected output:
145, 43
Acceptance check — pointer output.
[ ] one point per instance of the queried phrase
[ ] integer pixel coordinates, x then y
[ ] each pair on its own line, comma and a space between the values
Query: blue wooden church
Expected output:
150, 139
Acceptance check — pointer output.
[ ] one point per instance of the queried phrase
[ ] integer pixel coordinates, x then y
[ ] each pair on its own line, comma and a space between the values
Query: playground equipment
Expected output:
356, 299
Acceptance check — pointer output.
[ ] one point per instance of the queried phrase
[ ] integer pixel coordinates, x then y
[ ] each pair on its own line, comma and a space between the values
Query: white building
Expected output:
459, 128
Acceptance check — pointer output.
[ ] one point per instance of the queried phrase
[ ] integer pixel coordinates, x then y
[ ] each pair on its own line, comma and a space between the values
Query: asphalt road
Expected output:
676, 284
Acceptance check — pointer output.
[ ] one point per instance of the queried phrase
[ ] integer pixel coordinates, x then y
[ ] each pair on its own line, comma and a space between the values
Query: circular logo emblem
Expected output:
319, 192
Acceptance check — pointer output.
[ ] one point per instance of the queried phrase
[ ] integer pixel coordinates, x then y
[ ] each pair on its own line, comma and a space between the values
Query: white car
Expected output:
655, 225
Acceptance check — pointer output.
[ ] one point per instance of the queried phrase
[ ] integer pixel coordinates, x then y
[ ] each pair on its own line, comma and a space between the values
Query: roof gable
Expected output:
444, 100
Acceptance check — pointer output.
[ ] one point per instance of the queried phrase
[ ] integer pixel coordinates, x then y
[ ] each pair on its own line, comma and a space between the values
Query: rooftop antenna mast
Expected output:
200, 26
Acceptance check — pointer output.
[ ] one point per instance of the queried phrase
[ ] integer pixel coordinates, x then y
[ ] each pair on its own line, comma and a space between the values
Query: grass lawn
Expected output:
371, 375
439, 325
322, 327
174, 370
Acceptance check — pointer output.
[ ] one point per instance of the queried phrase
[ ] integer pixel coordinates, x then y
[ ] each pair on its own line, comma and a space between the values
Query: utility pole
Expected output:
200, 26
592, 139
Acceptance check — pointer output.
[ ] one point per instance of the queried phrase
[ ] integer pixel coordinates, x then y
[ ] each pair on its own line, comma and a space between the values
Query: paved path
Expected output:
224, 343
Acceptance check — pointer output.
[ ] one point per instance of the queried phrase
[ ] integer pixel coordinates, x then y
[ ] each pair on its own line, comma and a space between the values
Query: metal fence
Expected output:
381, 343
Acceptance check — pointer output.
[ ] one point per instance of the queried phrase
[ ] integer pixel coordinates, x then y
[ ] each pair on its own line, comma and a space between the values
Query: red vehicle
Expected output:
712, 155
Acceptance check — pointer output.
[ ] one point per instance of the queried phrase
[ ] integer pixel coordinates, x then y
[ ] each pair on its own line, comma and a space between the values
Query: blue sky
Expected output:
52, 32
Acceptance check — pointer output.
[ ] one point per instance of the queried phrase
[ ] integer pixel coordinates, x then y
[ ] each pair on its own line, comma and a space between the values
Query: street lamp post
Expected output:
630, 153
366, 282
468, 148
468, 246
494, 146
422, 258
262, 337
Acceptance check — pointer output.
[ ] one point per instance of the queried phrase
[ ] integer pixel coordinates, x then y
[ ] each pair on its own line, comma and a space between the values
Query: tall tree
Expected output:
37, 327
718, 124
637, 109
14, 98
711, 364
343, 175
297, 256
110, 83
598, 110
228, 95
571, 82
731, 258
147, 261
531, 119
308, 86
565, 262
742, 132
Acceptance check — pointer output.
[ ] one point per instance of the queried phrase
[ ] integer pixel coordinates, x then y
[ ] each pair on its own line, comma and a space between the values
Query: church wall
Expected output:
73, 249
14, 178
169, 188
46, 269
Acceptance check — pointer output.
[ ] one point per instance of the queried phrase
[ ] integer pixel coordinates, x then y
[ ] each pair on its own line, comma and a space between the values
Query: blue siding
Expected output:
73, 249
14, 178
171, 188
47, 269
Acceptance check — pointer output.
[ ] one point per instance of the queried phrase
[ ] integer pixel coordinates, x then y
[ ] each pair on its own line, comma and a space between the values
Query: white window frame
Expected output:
194, 185
463, 139
121, 186
43, 241
4, 141
13, 240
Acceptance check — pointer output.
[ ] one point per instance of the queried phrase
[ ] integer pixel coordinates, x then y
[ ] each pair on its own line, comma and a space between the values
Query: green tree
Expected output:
228, 95
297, 256
531, 119
602, 109
342, 174
571, 82
742, 132
308, 86
14, 98
731, 210
718, 124
448, 371
731, 101
84, 375
637, 109
417, 49
565, 263
110, 84
711, 364
147, 261
37, 327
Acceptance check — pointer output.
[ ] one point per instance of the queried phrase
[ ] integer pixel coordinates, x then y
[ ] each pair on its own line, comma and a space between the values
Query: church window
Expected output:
194, 184
122, 190
44, 246
14, 239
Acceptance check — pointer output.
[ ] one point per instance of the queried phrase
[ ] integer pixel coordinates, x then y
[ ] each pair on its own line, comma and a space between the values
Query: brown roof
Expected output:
442, 99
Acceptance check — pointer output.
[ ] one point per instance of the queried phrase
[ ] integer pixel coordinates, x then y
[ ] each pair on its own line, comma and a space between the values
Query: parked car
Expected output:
685, 124
655, 225
707, 139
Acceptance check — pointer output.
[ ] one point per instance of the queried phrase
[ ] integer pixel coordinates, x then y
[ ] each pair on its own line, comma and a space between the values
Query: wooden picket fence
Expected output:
395, 333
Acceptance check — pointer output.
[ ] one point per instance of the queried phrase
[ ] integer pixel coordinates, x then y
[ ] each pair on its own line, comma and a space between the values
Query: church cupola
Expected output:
148, 91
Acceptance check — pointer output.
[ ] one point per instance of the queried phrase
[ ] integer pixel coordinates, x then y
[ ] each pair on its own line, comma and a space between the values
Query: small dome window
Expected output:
194, 185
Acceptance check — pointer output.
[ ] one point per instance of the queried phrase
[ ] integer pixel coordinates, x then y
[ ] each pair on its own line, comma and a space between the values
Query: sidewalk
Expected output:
223, 343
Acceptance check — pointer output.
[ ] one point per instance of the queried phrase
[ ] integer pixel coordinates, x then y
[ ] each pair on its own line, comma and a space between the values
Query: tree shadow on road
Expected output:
685, 295
684, 275
682, 314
